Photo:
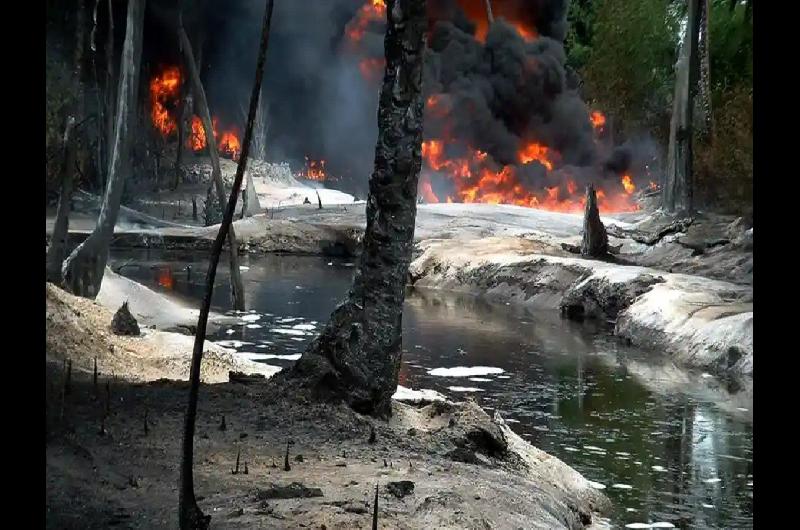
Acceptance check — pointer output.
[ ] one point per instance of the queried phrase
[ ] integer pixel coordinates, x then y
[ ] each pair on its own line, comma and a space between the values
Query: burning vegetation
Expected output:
165, 93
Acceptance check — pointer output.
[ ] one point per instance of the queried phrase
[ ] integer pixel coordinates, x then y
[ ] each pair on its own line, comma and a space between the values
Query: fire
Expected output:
371, 67
165, 278
370, 12
197, 138
598, 120
164, 90
229, 145
627, 183
538, 152
426, 190
164, 95
477, 179
526, 33
314, 170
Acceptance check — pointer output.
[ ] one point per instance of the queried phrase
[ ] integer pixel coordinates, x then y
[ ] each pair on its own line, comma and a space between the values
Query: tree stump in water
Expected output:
595, 239
124, 322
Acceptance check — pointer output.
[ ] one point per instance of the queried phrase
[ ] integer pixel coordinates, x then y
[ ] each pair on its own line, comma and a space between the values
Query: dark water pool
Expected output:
666, 446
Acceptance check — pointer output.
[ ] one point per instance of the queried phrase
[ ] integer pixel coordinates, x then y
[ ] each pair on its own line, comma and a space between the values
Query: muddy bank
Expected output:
698, 322
438, 465
713, 246
80, 330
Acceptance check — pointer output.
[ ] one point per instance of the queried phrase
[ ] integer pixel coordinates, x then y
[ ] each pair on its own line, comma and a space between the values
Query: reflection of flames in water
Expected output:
164, 96
165, 278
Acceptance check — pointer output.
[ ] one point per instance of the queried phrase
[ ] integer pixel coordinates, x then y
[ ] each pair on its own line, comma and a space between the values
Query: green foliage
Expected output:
629, 69
724, 168
731, 46
579, 35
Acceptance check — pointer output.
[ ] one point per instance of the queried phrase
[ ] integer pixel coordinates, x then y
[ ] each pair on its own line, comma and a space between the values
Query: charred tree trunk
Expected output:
595, 238
182, 125
83, 270
356, 358
251, 204
237, 288
110, 89
189, 514
678, 185
705, 129
489, 15
58, 241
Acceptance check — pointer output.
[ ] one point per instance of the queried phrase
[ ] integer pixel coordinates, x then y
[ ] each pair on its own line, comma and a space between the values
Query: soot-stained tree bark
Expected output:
357, 356
58, 242
190, 517
83, 270
595, 238
237, 288
678, 184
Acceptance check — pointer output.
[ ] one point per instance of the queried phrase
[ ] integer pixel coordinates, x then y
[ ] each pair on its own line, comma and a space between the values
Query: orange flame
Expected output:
598, 120
163, 90
372, 11
538, 152
229, 144
475, 180
627, 183
426, 190
314, 170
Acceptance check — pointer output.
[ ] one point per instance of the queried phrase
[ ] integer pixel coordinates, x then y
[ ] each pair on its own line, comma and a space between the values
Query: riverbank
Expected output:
682, 288
440, 465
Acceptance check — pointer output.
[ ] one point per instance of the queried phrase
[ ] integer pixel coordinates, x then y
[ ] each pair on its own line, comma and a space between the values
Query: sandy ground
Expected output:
464, 469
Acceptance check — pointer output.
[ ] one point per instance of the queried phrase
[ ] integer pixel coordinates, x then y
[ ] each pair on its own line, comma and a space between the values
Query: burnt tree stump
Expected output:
595, 238
124, 322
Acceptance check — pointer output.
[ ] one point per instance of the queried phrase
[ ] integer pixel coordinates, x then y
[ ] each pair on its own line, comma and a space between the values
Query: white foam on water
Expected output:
251, 318
253, 326
504, 377
662, 525
480, 379
593, 448
709, 506
658, 468
637, 525
630, 509
232, 343
622, 453
712, 480
253, 356
597, 485
464, 389
243, 268
298, 339
465, 371
622, 486
304, 326
571, 449
288, 331
230, 331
